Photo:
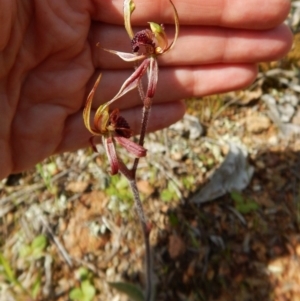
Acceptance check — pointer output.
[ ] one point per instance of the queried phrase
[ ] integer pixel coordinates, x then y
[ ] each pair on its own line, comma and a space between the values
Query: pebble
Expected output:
257, 124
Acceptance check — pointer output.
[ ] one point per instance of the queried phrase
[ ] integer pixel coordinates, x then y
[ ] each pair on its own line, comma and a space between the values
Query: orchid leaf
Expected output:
129, 7
132, 291
88, 105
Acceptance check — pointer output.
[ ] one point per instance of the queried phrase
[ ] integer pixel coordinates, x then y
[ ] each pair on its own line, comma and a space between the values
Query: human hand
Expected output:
49, 61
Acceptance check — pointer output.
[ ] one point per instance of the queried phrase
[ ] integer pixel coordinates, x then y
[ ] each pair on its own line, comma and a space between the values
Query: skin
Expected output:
49, 61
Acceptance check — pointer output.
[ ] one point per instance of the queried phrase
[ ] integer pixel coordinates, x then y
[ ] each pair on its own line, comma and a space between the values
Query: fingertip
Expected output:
254, 14
286, 41
277, 12
165, 114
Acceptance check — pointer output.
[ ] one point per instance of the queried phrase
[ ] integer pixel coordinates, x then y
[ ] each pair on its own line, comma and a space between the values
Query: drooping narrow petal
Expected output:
176, 18
126, 56
132, 81
129, 7
134, 148
88, 105
152, 77
111, 154
93, 143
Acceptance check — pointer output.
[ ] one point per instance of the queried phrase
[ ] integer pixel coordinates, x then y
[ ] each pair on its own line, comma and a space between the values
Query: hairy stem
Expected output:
146, 232
152, 73
147, 101
144, 125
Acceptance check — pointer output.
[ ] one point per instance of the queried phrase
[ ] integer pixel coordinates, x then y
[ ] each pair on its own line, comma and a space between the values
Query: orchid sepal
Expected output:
111, 154
132, 81
137, 150
152, 77
88, 105
101, 119
176, 18
128, 9
126, 56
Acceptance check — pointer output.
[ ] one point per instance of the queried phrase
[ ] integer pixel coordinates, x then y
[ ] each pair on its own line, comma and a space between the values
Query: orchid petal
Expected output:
111, 154
176, 18
132, 147
161, 37
88, 105
152, 77
101, 119
132, 81
129, 7
126, 56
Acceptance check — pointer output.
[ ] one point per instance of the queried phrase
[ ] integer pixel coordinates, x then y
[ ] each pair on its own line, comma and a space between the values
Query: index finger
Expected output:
249, 14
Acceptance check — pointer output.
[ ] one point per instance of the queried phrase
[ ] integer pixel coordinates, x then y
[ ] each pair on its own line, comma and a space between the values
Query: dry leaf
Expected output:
176, 246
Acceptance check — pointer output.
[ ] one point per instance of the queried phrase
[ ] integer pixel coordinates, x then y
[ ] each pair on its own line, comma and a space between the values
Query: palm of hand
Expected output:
45, 68
48, 61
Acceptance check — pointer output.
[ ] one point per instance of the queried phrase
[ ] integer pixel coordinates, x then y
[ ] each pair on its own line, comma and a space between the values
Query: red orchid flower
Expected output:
112, 128
146, 45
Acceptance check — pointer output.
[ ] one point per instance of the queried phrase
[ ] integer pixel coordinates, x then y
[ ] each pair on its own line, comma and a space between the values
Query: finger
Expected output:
162, 115
178, 83
204, 45
250, 14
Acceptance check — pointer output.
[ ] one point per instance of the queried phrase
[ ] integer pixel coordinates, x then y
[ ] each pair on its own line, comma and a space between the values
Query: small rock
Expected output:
286, 112
273, 140
145, 187
257, 124
296, 118
77, 186
290, 99
189, 124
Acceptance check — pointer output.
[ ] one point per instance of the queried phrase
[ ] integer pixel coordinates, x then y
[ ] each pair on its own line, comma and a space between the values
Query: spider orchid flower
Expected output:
146, 45
112, 128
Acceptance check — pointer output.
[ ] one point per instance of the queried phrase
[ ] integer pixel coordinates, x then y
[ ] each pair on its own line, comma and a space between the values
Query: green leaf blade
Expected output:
132, 291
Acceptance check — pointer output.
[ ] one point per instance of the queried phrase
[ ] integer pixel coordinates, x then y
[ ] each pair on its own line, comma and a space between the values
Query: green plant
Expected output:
46, 171
35, 249
243, 205
7, 271
86, 291
132, 291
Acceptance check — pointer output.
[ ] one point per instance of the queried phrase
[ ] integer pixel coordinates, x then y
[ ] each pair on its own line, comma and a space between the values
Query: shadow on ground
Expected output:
220, 251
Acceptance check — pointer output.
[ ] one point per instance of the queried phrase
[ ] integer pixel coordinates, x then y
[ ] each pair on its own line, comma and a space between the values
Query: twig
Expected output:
60, 247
